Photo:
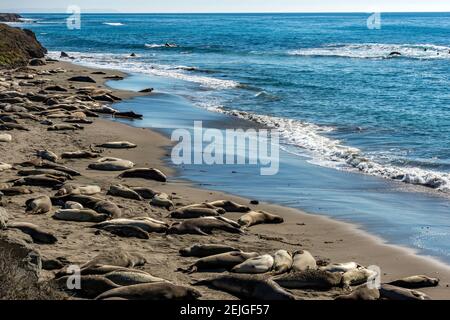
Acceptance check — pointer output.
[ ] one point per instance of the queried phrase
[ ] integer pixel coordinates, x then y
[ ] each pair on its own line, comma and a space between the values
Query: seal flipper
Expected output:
200, 231
191, 269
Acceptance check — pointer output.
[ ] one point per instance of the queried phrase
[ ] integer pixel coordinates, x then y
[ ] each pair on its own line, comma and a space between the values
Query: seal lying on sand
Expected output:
5, 166
145, 173
395, 293
223, 261
111, 164
309, 279
47, 155
416, 282
152, 291
202, 226
69, 188
41, 180
65, 127
162, 200
79, 155
361, 293
205, 250
257, 217
248, 287
117, 258
303, 260
39, 205
5, 137
79, 215
229, 206
36, 233
73, 205
261, 264
144, 192
148, 225
96, 204
124, 192
15, 191
48, 172
51, 165
357, 276
190, 212
90, 285
131, 277
127, 231
117, 145
282, 262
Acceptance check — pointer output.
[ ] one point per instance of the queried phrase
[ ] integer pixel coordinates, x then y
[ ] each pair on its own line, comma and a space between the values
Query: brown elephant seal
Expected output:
80, 215
127, 231
65, 127
69, 188
303, 260
390, 292
111, 164
52, 172
206, 250
282, 262
226, 220
416, 282
201, 226
309, 279
96, 204
223, 261
260, 264
362, 293
229, 206
51, 165
39, 205
117, 145
73, 205
248, 287
117, 258
144, 173
36, 233
145, 192
46, 181
81, 154
195, 212
130, 277
90, 285
15, 191
47, 155
148, 225
258, 217
357, 276
3, 218
162, 200
152, 291
124, 192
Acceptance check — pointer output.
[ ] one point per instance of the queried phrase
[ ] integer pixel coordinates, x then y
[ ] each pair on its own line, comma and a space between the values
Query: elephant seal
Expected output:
226, 220
90, 285
52, 172
65, 127
357, 276
362, 293
82, 154
127, 231
130, 277
258, 217
206, 250
5, 166
144, 192
96, 204
51, 165
79, 215
147, 225
261, 264
194, 212
46, 181
282, 262
5, 137
229, 206
395, 293
248, 287
47, 155
3, 218
303, 260
117, 145
162, 200
201, 226
416, 282
152, 291
341, 267
223, 261
117, 258
39, 205
111, 164
145, 173
124, 192
36, 233
309, 279
15, 191
73, 205
69, 188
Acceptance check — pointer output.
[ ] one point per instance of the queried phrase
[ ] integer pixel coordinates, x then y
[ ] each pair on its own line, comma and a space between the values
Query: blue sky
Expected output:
225, 5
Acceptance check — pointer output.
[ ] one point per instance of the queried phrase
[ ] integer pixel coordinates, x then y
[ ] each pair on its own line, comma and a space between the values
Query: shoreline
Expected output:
326, 238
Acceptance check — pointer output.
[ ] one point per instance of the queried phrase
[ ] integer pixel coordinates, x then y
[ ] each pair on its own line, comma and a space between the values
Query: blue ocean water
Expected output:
349, 113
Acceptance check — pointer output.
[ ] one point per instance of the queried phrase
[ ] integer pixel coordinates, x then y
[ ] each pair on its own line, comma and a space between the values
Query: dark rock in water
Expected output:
255, 202
82, 79
18, 46
148, 90
128, 114
64, 55
114, 77
394, 53
133, 55
37, 62
10, 17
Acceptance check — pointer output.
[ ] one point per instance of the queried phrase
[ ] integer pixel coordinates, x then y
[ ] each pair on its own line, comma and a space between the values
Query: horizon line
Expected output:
224, 12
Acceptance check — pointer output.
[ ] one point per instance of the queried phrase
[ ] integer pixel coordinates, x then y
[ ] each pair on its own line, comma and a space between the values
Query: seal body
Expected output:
282, 262
145, 173
223, 261
148, 225
396, 293
416, 282
79, 215
229, 206
36, 233
124, 192
39, 205
201, 226
205, 250
303, 260
261, 264
309, 279
258, 217
362, 293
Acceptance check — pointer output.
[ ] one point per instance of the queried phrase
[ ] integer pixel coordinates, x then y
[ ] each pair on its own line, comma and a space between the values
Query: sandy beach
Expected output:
329, 241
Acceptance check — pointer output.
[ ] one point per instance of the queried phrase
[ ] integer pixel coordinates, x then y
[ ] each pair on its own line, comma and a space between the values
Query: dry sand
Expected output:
326, 239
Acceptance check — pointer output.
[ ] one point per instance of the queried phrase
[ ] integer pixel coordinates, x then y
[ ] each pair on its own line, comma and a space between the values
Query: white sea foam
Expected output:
114, 24
154, 45
330, 152
377, 51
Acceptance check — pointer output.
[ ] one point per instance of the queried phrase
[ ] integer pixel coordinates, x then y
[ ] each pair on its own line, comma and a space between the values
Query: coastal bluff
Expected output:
17, 46
10, 17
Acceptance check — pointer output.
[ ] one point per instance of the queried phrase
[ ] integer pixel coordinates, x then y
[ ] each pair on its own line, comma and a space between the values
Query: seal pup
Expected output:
79, 215
130, 277
261, 264
5, 166
362, 293
229, 206
144, 192
341, 267
73, 205
47, 155
247, 287
258, 217
146, 225
223, 261
396, 293
36, 233
145, 173
39, 205
162, 200
303, 260
195, 212
282, 262
4, 137
111, 164
309, 279
124, 192
90, 285
416, 282
152, 291
117, 145
357, 276
205, 250
201, 226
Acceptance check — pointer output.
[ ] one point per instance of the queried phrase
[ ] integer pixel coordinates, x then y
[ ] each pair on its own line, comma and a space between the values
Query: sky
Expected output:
179, 6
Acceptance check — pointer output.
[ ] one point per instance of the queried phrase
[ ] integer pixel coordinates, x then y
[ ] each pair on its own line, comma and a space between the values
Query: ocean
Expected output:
365, 133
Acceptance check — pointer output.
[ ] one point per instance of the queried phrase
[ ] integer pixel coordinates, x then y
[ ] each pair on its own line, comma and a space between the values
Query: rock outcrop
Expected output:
10, 17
